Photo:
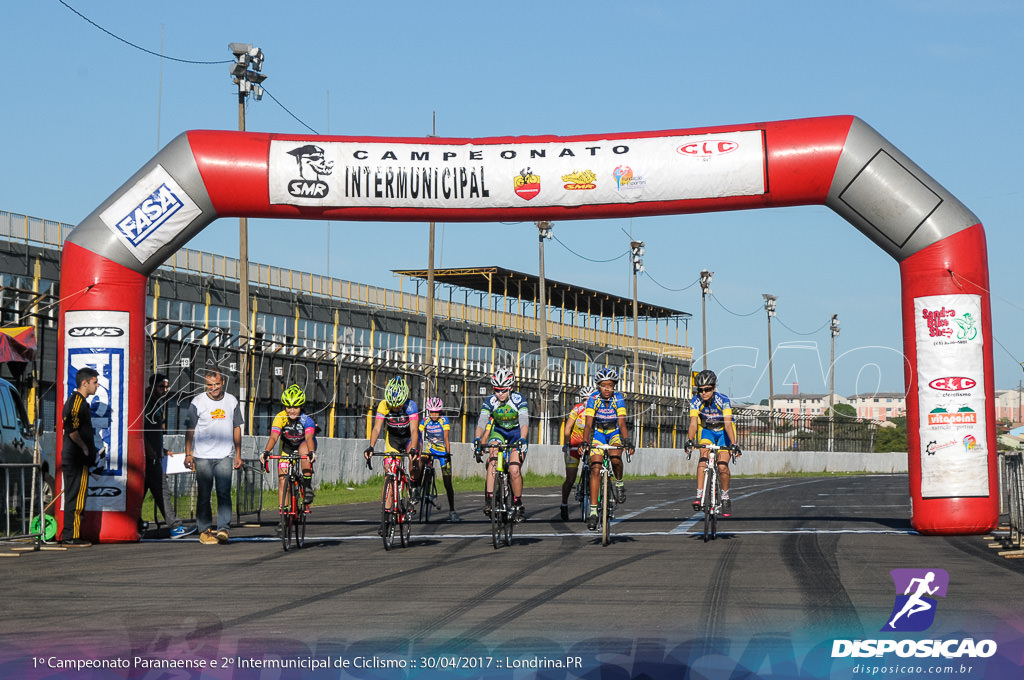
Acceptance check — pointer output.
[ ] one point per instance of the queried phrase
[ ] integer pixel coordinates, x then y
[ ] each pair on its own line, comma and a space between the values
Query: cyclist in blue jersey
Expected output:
434, 431
297, 433
508, 416
605, 415
711, 422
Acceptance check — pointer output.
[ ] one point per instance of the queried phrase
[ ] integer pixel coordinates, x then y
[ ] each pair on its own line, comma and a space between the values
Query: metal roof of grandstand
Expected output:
510, 283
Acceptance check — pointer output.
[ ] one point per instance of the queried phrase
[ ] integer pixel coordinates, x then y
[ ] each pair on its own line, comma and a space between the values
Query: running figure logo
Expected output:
914, 609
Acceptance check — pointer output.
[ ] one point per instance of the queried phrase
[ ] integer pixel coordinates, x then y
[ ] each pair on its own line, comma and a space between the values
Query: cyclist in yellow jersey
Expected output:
297, 433
434, 433
606, 424
575, 423
399, 416
711, 421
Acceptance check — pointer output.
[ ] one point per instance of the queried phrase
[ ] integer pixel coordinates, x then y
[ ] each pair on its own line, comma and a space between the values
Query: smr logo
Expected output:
310, 157
914, 609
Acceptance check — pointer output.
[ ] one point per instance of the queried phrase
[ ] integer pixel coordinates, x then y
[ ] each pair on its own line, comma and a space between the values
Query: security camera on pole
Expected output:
705, 290
637, 253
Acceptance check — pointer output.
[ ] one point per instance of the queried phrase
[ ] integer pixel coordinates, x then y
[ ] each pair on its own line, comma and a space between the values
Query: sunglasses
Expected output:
705, 389
502, 390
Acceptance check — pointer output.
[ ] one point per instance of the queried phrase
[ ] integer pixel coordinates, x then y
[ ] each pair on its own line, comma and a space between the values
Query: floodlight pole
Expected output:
248, 81
834, 328
705, 290
637, 250
769, 307
428, 349
543, 232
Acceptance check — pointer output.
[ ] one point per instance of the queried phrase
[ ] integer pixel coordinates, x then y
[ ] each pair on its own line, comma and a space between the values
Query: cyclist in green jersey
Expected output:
511, 425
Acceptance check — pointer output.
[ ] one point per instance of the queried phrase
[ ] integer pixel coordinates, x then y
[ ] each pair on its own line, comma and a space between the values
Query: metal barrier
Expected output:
764, 430
23, 501
249, 489
1011, 472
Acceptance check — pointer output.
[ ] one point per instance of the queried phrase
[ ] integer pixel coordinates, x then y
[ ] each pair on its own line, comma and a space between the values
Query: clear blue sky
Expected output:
940, 79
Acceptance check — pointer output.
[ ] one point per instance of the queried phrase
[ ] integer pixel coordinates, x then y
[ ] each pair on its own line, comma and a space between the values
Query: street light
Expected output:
543, 232
769, 306
705, 290
834, 327
245, 73
637, 250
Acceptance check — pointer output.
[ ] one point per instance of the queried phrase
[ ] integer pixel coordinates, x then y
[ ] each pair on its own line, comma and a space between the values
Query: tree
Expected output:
892, 438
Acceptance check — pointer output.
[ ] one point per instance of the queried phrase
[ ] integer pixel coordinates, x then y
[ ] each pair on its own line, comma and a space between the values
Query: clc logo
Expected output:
952, 383
707, 147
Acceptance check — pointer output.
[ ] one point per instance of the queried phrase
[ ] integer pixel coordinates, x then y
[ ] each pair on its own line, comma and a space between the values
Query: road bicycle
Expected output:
295, 510
605, 497
428, 488
502, 510
398, 517
711, 495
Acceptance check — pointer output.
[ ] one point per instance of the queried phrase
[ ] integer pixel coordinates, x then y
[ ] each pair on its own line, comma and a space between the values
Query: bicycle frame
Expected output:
605, 501
502, 510
295, 510
711, 493
428, 486
396, 506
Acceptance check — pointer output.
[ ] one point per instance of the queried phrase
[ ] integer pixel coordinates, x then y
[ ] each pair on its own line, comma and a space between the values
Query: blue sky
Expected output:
82, 111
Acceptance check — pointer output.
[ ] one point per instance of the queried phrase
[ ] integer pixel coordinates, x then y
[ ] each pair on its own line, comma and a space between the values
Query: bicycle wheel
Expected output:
509, 510
715, 508
286, 530
605, 519
498, 518
298, 523
583, 492
708, 504
389, 514
404, 516
426, 486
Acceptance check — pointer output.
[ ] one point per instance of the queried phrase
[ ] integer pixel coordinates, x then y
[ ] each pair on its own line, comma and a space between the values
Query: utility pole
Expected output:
834, 327
248, 80
705, 290
637, 248
769, 306
543, 232
428, 349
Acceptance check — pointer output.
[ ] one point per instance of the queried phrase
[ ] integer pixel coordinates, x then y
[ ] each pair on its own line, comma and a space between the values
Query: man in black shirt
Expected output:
78, 453
153, 433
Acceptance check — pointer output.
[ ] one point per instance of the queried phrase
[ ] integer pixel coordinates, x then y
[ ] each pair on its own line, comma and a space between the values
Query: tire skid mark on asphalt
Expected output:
717, 595
496, 622
319, 596
468, 604
811, 561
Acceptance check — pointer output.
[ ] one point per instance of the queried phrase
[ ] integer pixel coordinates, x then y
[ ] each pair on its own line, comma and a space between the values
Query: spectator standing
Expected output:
77, 455
214, 429
157, 483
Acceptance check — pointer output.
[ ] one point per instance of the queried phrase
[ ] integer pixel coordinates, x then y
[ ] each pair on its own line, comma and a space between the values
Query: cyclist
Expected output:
434, 431
606, 424
711, 420
511, 425
399, 415
297, 433
573, 434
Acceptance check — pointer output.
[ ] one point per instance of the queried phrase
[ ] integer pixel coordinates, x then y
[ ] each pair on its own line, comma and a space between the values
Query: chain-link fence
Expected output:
763, 430
1011, 496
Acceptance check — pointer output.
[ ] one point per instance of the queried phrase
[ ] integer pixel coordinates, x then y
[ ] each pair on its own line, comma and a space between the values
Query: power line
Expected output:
268, 93
671, 290
138, 47
719, 303
617, 257
817, 330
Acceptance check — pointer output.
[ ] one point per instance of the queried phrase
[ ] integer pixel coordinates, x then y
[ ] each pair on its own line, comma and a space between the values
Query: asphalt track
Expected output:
802, 561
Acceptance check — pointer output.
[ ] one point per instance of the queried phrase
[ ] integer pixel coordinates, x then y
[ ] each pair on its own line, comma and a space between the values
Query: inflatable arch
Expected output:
837, 161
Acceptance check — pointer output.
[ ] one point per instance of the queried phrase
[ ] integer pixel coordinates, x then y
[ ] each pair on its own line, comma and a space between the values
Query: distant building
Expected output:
880, 406
805, 404
1010, 405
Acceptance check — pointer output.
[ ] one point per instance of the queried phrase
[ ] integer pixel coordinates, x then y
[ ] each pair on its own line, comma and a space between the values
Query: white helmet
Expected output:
502, 379
587, 391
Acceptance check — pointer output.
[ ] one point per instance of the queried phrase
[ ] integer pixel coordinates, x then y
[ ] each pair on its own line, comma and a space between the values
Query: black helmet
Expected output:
706, 378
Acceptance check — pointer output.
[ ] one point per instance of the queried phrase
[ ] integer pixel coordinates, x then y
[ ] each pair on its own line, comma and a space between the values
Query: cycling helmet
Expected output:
706, 378
396, 392
606, 374
434, 404
587, 391
293, 396
502, 379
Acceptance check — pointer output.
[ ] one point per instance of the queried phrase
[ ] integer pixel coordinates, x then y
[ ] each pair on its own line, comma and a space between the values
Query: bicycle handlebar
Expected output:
286, 456
714, 448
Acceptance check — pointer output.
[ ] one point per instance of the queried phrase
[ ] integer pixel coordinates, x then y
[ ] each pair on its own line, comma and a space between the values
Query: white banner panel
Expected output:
150, 214
509, 175
99, 340
951, 379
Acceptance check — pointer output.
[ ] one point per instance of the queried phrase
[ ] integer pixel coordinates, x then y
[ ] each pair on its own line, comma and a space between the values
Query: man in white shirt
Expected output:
214, 429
